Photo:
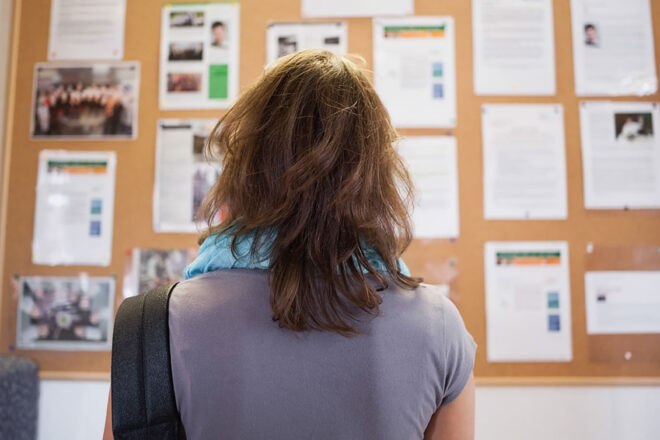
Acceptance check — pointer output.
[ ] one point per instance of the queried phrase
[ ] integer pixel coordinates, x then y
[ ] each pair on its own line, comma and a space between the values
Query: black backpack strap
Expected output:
143, 403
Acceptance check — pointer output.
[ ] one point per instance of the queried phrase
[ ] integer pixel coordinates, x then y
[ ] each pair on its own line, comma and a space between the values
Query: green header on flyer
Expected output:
169, 5
73, 163
509, 255
414, 28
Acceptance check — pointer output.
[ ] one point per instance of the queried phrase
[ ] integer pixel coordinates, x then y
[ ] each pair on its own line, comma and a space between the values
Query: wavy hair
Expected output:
310, 171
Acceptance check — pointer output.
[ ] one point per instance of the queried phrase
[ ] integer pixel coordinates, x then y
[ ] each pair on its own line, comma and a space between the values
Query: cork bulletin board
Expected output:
596, 359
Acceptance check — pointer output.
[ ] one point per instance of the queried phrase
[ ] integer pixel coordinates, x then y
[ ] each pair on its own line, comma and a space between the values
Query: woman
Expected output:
298, 319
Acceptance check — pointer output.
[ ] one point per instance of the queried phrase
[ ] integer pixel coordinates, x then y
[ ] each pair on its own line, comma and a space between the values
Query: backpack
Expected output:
143, 403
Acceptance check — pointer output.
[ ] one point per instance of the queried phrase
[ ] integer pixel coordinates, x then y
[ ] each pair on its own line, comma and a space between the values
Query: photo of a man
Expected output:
218, 34
590, 35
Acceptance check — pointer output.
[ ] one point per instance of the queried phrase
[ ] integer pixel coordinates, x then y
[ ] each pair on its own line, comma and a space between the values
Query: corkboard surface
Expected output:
594, 357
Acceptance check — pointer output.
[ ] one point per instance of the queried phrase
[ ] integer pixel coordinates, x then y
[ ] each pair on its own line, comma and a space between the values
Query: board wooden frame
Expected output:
135, 177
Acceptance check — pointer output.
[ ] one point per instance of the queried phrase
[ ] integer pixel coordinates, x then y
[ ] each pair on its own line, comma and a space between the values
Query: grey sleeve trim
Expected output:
460, 350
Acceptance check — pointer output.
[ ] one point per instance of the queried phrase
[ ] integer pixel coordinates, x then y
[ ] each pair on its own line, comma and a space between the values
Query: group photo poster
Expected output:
65, 313
85, 101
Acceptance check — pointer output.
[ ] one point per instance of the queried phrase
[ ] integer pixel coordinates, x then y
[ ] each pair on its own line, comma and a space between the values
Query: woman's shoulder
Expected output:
202, 292
427, 300
425, 310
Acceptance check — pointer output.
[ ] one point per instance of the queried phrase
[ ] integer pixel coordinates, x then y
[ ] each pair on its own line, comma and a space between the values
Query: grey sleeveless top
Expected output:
238, 375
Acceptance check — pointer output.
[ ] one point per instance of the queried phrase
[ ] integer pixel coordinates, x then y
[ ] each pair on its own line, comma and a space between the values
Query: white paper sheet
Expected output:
622, 302
613, 51
432, 164
74, 208
620, 154
528, 301
514, 49
356, 8
199, 50
524, 161
65, 313
414, 70
182, 174
86, 30
286, 38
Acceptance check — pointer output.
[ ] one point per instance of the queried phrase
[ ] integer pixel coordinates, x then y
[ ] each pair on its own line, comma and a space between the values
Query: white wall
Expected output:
76, 411
568, 413
72, 410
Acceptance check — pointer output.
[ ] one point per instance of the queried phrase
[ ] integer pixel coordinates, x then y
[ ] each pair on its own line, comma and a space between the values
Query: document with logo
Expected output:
621, 302
514, 50
415, 71
74, 208
432, 164
524, 161
528, 301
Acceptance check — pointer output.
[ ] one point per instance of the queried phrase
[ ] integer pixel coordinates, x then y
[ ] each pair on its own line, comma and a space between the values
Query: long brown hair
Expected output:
309, 170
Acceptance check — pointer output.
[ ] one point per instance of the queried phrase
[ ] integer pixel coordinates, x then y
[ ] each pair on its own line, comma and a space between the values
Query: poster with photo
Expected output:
199, 49
147, 269
85, 101
620, 154
65, 313
613, 48
183, 175
287, 38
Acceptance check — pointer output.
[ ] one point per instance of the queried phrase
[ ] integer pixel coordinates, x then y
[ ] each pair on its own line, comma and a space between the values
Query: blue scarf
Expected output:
215, 253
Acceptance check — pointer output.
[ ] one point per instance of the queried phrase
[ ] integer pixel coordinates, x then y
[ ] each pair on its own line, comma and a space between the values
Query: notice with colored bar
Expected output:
74, 208
528, 301
414, 70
